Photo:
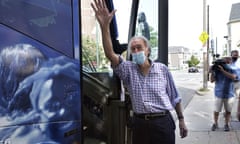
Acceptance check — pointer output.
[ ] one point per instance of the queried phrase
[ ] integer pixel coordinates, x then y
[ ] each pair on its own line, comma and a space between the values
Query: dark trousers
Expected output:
159, 130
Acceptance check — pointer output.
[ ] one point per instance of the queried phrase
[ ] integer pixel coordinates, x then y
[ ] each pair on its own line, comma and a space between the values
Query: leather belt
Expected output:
149, 116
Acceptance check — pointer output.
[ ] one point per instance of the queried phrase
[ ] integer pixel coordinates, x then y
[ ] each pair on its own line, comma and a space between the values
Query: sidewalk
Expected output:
199, 119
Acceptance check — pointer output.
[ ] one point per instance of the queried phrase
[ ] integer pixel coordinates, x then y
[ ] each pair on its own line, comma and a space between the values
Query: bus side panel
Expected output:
40, 95
40, 92
33, 134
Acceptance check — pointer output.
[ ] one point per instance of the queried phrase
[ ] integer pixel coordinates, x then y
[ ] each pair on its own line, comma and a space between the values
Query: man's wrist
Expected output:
180, 117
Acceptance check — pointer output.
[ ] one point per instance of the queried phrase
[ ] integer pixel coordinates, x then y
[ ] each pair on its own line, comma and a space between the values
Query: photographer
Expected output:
223, 76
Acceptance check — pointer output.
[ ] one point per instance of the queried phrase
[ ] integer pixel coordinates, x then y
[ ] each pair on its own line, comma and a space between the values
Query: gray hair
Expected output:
16, 63
145, 40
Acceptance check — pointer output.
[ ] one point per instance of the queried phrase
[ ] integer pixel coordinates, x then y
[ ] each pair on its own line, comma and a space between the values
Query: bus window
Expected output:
123, 18
93, 58
147, 24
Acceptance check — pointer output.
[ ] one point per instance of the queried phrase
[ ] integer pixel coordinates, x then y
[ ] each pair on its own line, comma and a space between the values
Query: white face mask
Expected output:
139, 57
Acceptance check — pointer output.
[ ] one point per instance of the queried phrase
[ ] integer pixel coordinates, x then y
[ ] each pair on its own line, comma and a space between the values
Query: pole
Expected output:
208, 44
216, 46
163, 34
205, 67
97, 47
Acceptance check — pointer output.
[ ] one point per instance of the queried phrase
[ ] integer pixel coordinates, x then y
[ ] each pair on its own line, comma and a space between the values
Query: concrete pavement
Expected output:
199, 119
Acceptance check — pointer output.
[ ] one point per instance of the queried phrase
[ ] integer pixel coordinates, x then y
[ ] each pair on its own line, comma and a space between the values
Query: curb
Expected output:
202, 93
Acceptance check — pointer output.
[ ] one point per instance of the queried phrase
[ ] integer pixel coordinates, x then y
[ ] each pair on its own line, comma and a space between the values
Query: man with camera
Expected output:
223, 76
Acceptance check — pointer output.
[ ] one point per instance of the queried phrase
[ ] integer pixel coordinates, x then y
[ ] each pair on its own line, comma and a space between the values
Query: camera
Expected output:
218, 62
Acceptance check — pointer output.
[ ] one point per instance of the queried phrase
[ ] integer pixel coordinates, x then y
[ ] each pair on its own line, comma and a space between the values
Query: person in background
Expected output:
223, 76
150, 84
236, 66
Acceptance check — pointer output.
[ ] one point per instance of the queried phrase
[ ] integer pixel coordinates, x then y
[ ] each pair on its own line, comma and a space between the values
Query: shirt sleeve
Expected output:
172, 90
120, 69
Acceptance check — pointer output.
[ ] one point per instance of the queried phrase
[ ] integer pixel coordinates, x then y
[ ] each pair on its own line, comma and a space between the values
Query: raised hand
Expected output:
102, 13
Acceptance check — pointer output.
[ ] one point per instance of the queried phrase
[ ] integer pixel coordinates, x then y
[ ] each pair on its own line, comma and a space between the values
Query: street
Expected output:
187, 84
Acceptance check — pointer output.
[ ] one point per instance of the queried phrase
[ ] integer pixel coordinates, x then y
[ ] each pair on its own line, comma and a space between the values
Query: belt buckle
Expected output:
162, 113
146, 117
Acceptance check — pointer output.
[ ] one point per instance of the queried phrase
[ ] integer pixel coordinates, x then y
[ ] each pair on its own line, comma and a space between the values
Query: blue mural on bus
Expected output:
40, 99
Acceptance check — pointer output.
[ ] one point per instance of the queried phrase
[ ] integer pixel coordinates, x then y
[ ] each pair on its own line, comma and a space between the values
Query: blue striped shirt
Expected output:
223, 85
149, 93
236, 66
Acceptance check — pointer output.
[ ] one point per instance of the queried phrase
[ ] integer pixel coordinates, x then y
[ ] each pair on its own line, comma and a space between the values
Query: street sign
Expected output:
203, 37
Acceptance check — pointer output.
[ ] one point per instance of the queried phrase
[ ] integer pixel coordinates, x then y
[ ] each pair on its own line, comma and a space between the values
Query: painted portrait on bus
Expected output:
39, 92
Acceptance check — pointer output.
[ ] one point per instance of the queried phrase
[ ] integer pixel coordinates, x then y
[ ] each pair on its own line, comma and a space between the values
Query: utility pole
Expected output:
216, 46
205, 51
208, 44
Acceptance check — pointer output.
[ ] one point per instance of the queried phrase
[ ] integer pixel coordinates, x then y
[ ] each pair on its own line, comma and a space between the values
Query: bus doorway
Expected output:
106, 105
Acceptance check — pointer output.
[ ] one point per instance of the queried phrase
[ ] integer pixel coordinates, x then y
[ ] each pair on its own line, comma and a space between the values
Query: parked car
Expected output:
193, 70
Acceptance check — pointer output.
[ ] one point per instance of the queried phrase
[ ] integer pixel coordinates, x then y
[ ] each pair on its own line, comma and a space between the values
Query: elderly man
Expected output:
152, 90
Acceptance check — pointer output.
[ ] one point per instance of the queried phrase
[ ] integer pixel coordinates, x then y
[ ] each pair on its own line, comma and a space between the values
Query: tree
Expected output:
153, 37
88, 50
92, 52
193, 61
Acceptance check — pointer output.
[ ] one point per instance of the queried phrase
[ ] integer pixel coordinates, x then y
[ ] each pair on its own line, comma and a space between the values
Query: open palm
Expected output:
102, 13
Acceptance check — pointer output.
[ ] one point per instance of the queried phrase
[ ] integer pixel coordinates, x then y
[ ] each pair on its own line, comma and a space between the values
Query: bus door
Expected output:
106, 103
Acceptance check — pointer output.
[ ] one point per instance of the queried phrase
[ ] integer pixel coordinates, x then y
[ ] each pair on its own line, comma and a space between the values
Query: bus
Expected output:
56, 85
40, 83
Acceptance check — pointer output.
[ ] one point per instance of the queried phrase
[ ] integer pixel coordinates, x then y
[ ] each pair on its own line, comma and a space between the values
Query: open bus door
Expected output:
106, 104
40, 101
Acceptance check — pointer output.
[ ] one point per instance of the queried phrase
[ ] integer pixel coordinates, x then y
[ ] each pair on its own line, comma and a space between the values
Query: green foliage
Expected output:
193, 61
153, 37
92, 53
225, 52
88, 50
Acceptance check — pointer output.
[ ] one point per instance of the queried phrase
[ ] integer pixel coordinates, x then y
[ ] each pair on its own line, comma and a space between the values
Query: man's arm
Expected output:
108, 47
104, 18
228, 74
212, 77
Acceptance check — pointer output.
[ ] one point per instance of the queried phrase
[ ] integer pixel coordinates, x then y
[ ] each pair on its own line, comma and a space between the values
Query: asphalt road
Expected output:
187, 84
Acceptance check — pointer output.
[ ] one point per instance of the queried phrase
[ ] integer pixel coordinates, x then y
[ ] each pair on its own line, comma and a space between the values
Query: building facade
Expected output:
178, 57
233, 38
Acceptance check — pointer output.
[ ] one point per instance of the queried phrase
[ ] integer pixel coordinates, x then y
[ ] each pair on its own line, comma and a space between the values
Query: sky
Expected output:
186, 22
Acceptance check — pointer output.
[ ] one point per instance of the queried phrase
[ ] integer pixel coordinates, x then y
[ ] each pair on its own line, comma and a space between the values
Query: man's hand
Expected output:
182, 128
102, 14
220, 68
